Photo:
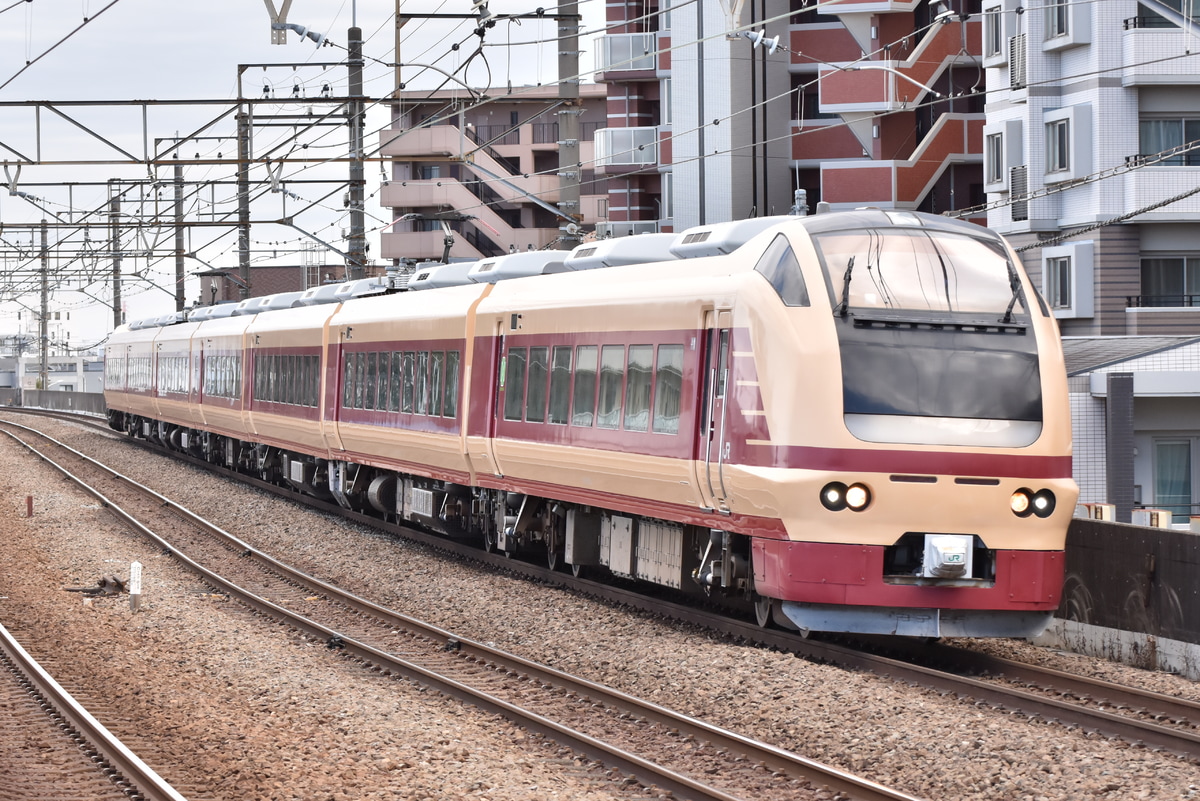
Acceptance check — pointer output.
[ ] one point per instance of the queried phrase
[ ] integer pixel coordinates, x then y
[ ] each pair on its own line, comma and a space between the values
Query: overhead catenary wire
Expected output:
305, 167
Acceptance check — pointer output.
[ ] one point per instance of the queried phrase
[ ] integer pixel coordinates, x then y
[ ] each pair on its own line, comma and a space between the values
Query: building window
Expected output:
1173, 477
1057, 19
1058, 146
993, 32
994, 155
1058, 282
1158, 136
1171, 281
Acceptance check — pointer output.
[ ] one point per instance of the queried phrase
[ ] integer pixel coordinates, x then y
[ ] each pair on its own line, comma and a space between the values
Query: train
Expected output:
854, 421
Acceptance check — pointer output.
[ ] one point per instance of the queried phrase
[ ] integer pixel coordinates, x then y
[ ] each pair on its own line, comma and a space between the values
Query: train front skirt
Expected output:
917, 622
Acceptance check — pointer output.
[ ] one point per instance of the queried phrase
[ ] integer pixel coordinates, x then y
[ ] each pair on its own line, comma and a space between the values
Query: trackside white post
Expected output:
135, 586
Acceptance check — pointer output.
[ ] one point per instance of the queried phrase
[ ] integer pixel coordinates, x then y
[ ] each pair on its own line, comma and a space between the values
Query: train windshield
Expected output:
917, 270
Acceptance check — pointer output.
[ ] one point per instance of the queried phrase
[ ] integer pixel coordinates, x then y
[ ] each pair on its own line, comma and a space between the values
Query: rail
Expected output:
440, 660
133, 770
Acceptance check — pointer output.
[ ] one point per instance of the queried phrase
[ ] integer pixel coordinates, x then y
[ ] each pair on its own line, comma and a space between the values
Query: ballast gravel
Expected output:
348, 733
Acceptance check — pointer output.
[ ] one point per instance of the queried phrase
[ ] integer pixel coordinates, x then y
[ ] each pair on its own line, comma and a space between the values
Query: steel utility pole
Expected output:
180, 300
357, 245
114, 232
568, 122
243, 195
44, 323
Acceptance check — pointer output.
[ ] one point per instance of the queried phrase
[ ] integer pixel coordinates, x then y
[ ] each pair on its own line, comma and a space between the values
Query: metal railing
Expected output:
1189, 159
1162, 301
1134, 23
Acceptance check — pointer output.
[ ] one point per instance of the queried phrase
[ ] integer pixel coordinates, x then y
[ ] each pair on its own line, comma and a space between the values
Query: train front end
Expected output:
917, 434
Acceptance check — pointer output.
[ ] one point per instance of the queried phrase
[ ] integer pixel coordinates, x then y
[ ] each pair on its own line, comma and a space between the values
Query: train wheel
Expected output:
489, 540
762, 610
554, 544
577, 571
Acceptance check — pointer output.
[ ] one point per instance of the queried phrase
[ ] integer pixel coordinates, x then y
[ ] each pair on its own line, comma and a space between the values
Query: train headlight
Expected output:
833, 496
836, 496
1043, 503
1021, 502
858, 497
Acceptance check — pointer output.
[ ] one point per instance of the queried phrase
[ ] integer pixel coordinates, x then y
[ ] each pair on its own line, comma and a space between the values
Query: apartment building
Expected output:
716, 116
1092, 108
484, 178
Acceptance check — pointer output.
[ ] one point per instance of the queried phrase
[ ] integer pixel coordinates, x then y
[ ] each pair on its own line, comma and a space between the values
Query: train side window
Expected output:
406, 405
421, 383
395, 382
348, 381
360, 379
668, 389
584, 394
371, 387
514, 384
612, 374
535, 395
305, 390
639, 370
779, 266
437, 378
560, 386
294, 379
450, 404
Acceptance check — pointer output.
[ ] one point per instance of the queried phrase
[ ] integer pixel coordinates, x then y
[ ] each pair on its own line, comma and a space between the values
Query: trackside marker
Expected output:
135, 586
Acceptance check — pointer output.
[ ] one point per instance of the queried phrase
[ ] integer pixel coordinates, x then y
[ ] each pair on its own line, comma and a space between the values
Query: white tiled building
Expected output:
1082, 98
1091, 109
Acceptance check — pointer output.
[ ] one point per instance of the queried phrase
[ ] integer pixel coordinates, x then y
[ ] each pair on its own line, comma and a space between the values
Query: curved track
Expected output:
43, 725
654, 745
1077, 702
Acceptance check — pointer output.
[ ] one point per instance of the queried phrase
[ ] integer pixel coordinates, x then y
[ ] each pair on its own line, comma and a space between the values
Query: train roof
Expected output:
517, 265
621, 251
690, 245
435, 275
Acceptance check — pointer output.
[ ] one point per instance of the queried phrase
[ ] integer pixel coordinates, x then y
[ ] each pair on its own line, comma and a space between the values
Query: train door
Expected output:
486, 380
499, 366
711, 443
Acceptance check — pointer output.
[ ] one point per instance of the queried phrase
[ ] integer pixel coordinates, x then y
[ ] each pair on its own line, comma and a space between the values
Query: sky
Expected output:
165, 50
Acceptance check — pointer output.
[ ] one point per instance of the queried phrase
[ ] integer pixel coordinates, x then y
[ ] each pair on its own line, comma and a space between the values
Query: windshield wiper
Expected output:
1014, 282
844, 306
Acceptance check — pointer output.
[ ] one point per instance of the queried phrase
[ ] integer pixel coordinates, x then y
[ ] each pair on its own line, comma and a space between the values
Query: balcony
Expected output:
1147, 53
606, 230
1150, 185
627, 52
626, 147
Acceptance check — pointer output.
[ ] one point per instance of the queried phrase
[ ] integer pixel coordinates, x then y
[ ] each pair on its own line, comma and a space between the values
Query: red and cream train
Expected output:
856, 420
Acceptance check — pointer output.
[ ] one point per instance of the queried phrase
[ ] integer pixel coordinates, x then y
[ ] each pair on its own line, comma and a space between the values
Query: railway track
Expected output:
53, 745
1129, 713
635, 739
